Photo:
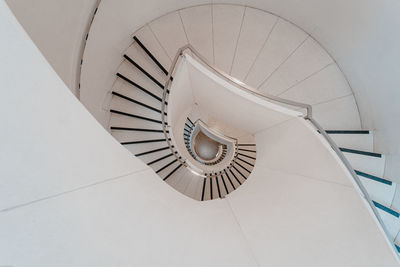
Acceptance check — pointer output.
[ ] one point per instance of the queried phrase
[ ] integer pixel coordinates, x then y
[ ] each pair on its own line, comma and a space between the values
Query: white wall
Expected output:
58, 29
50, 142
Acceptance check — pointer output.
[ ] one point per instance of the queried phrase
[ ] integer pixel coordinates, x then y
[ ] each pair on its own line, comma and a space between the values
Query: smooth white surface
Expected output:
254, 114
254, 31
170, 32
341, 113
227, 21
180, 104
307, 59
147, 37
134, 221
281, 43
58, 29
364, 142
325, 85
380, 192
199, 29
291, 139
391, 222
371, 165
319, 223
50, 143
396, 199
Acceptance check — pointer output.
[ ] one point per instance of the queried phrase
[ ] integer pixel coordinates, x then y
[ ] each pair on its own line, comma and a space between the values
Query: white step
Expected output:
184, 181
354, 141
396, 200
195, 183
380, 192
175, 178
137, 54
391, 222
368, 164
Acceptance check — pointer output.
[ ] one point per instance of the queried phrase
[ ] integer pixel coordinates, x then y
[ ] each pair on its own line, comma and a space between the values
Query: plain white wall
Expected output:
58, 29
50, 143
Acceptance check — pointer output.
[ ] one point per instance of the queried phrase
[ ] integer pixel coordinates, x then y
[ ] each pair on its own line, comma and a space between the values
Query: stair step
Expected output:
153, 58
378, 191
390, 219
173, 171
360, 152
122, 113
386, 209
145, 72
357, 140
372, 177
194, 188
175, 179
372, 165
185, 181
141, 88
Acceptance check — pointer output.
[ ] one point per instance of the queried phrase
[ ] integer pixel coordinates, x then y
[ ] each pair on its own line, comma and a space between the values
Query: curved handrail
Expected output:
226, 77
308, 117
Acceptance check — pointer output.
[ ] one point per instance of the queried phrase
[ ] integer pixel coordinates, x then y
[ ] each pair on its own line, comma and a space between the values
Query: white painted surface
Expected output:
50, 143
134, 221
391, 222
58, 29
170, 32
148, 38
231, 105
227, 21
379, 192
396, 199
282, 42
371, 165
341, 113
255, 29
306, 60
198, 26
303, 217
326, 85
289, 140
364, 142
180, 104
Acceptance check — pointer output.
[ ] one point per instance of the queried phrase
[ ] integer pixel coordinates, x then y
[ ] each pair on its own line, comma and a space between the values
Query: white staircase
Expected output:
265, 52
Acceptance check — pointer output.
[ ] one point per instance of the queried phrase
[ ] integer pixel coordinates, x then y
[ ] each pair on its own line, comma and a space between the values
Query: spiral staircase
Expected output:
239, 143
265, 52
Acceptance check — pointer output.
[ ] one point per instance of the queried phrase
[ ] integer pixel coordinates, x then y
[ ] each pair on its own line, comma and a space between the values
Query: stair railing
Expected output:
268, 97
